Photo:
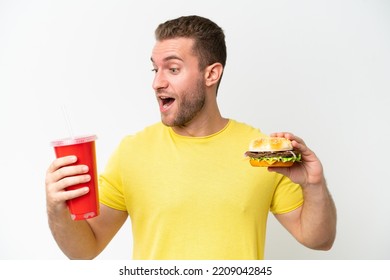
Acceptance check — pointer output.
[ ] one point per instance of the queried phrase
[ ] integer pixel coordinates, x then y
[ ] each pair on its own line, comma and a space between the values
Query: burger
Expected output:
272, 152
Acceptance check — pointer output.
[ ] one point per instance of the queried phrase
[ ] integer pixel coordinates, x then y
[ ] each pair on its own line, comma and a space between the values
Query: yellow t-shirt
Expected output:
195, 197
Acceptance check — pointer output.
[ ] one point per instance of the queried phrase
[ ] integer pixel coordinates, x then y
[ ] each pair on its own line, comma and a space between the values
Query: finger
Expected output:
61, 185
67, 195
72, 181
290, 136
58, 199
281, 170
60, 162
54, 188
69, 171
287, 135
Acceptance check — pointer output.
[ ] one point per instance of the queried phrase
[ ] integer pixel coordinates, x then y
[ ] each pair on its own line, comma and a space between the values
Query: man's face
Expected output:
178, 83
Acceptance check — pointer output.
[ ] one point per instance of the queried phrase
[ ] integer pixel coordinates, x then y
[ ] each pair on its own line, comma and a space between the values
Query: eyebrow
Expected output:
171, 57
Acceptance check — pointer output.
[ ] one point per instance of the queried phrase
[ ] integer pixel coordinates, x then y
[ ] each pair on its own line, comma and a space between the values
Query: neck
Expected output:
202, 125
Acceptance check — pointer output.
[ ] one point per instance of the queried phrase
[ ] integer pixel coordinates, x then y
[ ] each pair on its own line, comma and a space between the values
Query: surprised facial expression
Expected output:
178, 82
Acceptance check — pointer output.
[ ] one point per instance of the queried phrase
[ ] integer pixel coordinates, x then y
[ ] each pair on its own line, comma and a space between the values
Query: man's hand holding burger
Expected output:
305, 169
308, 171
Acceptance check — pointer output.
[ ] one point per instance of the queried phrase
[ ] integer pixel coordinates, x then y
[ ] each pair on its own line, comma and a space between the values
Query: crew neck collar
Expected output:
174, 134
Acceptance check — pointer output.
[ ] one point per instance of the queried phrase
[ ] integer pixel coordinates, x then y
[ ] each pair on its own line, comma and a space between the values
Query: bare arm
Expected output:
314, 223
77, 239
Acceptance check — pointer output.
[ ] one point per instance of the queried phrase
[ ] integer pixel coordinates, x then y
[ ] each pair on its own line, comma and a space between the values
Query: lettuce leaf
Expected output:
278, 159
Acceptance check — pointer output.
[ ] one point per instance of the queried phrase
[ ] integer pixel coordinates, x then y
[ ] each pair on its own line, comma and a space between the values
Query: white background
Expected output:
319, 69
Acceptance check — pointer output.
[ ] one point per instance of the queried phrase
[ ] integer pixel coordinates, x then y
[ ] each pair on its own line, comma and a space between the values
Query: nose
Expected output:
159, 81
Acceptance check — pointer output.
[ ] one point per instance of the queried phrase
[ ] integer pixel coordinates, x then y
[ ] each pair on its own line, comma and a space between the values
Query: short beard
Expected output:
192, 103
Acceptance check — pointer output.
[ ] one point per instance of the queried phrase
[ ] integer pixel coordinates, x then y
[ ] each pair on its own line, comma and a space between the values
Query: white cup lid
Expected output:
75, 140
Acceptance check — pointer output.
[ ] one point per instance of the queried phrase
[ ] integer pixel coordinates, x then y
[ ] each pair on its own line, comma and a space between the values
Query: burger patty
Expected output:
272, 154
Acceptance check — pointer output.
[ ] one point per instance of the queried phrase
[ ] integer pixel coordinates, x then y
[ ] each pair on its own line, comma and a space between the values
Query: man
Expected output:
184, 182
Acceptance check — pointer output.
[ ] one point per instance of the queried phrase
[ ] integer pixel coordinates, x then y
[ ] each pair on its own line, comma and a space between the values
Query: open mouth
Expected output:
166, 102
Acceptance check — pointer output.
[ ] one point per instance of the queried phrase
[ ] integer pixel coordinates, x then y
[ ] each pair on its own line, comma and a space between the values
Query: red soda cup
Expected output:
83, 147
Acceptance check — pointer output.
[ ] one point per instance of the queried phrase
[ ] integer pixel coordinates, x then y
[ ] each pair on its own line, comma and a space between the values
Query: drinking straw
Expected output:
68, 124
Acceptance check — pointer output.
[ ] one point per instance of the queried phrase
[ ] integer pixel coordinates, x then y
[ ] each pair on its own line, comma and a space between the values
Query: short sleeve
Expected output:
110, 183
288, 196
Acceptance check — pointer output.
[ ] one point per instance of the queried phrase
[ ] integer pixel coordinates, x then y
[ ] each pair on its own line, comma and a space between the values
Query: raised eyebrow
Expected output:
171, 57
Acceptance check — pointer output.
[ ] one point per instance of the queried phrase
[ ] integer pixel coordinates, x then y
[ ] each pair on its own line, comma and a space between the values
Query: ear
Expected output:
213, 74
